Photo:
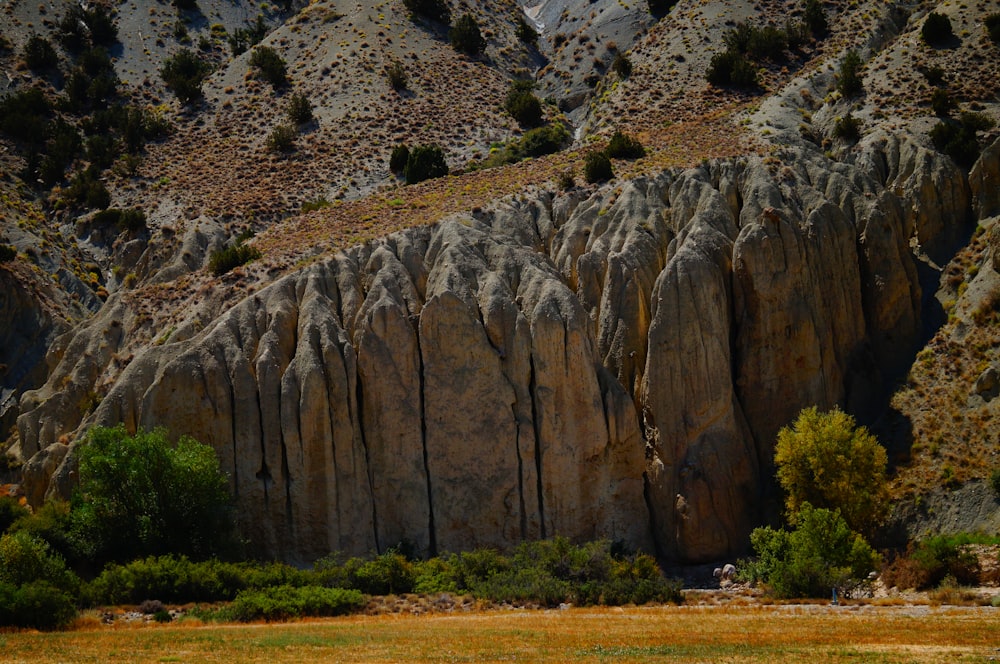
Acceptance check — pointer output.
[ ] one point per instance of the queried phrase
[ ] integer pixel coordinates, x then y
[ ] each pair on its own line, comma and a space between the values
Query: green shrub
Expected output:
396, 74
941, 102
142, 495
231, 257
847, 128
129, 220
824, 460
184, 73
286, 602
23, 116
10, 509
936, 30
849, 78
929, 562
660, 7
732, 67
299, 110
621, 65
398, 159
25, 558
87, 190
566, 180
7, 254
992, 26
424, 163
81, 27
388, 574
36, 605
958, 139
815, 18
522, 104
995, 482
282, 139
597, 167
540, 141
39, 55
436, 10
822, 553
465, 36
934, 74
623, 146
268, 65
242, 39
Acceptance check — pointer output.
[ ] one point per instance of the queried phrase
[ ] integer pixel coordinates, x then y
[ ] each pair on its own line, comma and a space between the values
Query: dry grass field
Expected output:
758, 633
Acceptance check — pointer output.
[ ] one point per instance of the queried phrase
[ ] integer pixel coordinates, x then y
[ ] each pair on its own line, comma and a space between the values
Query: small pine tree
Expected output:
299, 109
597, 167
992, 27
621, 65
436, 10
424, 163
815, 18
523, 105
398, 159
465, 36
849, 79
184, 73
623, 146
39, 55
269, 65
936, 30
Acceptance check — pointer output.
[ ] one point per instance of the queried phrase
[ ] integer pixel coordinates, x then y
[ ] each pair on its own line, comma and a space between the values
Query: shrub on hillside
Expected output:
86, 189
282, 139
465, 36
623, 146
820, 554
958, 138
433, 9
732, 68
242, 39
815, 18
184, 73
992, 26
7, 254
936, 30
268, 65
23, 116
941, 102
39, 55
660, 7
522, 104
231, 257
621, 65
849, 77
299, 109
10, 509
597, 167
424, 163
847, 128
87, 25
396, 74
398, 159
25, 558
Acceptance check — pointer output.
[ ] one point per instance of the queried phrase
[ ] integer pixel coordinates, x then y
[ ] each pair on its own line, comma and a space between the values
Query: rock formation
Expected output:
615, 365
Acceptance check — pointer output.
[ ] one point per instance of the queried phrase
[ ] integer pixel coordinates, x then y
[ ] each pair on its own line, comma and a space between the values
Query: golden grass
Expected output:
680, 634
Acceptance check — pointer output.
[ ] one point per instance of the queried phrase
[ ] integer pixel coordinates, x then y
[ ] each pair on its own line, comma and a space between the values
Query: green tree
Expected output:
820, 554
184, 73
936, 30
423, 163
597, 167
143, 496
522, 104
849, 79
39, 55
465, 36
432, 9
825, 460
270, 66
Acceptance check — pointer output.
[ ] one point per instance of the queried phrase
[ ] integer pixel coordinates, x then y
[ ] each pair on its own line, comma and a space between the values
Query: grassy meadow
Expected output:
760, 633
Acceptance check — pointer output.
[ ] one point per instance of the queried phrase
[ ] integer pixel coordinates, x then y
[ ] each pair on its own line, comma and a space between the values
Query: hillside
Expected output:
509, 351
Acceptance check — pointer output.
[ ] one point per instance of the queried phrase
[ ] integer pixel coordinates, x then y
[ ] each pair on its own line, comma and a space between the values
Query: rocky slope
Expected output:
608, 361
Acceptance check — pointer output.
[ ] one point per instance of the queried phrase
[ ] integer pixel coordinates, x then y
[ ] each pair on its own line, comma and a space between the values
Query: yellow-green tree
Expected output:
826, 460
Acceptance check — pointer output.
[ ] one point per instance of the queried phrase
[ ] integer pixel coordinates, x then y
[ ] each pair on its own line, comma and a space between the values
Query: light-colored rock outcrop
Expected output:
612, 366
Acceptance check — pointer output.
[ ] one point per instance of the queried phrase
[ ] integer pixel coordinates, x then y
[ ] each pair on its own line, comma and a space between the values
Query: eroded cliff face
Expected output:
607, 366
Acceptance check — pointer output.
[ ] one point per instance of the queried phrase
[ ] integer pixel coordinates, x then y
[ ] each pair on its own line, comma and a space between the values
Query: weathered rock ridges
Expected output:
613, 365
